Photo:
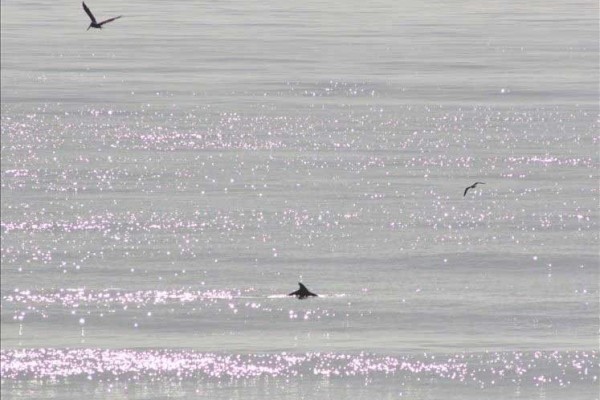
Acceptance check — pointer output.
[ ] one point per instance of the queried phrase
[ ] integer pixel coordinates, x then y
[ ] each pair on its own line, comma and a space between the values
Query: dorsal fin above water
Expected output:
303, 292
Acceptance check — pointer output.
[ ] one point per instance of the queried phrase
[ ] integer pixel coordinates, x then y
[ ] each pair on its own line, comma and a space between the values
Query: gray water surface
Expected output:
166, 181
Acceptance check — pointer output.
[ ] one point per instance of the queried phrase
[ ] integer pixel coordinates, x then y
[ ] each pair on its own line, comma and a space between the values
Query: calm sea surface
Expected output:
167, 180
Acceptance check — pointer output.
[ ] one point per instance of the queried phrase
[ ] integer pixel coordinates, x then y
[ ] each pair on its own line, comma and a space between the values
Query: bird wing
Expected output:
109, 20
89, 13
466, 190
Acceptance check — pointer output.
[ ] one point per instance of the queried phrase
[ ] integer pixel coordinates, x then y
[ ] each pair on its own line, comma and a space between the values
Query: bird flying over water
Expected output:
302, 293
472, 187
94, 23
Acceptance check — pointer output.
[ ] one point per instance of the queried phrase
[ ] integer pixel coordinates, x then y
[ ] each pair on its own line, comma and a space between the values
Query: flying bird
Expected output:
94, 23
302, 293
472, 187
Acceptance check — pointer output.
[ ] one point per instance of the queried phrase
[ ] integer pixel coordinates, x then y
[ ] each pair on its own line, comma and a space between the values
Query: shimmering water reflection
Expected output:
482, 369
184, 370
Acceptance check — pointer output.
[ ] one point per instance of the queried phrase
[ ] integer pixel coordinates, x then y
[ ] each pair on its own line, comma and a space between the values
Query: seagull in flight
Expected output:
94, 23
472, 187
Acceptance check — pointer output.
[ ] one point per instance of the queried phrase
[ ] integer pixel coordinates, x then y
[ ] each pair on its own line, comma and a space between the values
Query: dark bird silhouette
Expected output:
472, 187
302, 293
94, 23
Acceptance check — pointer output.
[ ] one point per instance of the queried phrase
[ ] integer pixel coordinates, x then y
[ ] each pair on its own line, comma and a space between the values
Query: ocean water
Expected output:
168, 180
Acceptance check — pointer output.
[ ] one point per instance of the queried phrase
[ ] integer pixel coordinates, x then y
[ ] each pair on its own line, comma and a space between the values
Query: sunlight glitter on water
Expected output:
34, 305
480, 369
